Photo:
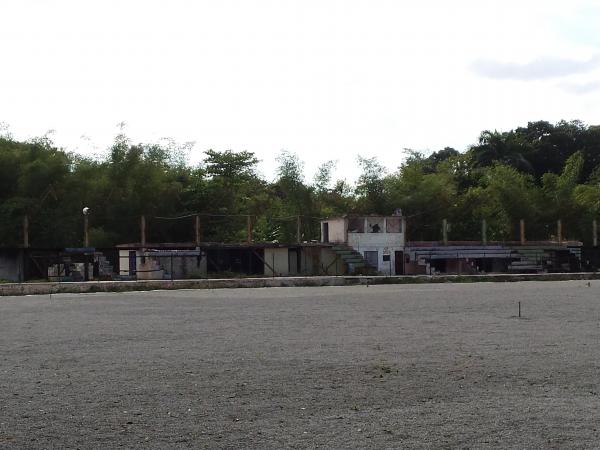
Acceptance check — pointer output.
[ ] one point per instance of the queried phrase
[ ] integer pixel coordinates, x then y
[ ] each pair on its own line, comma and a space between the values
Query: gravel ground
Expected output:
404, 366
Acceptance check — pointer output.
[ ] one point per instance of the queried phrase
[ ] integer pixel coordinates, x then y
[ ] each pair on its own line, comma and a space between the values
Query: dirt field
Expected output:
405, 366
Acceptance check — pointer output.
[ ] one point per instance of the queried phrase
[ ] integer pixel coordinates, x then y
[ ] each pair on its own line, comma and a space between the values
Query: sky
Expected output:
325, 79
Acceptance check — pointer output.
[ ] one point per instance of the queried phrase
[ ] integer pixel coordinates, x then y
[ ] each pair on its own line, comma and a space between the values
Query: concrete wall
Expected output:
337, 230
383, 267
330, 263
278, 259
10, 289
382, 243
310, 258
360, 240
123, 268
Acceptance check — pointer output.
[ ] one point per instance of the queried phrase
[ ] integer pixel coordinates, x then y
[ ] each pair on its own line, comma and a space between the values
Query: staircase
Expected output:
354, 260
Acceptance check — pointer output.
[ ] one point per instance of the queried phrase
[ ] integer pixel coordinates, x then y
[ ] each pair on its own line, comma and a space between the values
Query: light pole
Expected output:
86, 236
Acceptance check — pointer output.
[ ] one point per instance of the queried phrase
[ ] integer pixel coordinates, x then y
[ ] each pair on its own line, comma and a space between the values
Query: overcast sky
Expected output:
325, 79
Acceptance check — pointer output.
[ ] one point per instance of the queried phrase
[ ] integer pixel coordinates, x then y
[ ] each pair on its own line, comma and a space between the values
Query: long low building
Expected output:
379, 244
191, 260
464, 257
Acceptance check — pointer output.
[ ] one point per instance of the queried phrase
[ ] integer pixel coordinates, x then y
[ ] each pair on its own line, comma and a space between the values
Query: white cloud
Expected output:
537, 69
326, 79
582, 88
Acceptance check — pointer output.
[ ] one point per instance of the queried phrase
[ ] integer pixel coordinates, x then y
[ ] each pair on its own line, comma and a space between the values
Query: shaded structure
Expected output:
192, 260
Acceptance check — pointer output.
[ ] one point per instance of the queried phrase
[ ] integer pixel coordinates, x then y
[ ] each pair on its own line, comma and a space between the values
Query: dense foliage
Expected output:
538, 173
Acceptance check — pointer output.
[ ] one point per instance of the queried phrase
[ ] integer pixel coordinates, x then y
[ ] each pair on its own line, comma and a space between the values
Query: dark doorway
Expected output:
246, 261
399, 263
294, 261
132, 262
325, 231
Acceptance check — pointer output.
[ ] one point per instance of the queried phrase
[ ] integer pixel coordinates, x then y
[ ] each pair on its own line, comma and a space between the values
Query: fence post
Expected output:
143, 230
249, 228
143, 240
484, 232
25, 231
445, 231
522, 231
298, 231
197, 230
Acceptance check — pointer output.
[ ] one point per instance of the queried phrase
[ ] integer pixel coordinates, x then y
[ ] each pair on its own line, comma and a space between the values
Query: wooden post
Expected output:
298, 230
445, 231
143, 230
484, 232
595, 232
249, 228
197, 229
522, 231
559, 231
26, 231
86, 235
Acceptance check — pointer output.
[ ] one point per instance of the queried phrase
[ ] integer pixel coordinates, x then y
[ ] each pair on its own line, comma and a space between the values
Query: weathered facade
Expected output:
378, 240
189, 260
380, 243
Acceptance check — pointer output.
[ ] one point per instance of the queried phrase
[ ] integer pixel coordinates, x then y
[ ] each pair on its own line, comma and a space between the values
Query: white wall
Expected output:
278, 259
337, 230
359, 240
331, 262
382, 243
123, 262
384, 267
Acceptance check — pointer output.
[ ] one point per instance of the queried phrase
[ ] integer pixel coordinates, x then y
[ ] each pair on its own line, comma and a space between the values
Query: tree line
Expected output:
539, 173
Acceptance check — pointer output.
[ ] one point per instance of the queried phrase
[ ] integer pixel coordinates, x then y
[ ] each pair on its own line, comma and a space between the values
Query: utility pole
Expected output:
559, 231
595, 232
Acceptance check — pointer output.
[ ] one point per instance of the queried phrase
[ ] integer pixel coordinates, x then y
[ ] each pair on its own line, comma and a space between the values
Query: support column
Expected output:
595, 232
559, 231
522, 231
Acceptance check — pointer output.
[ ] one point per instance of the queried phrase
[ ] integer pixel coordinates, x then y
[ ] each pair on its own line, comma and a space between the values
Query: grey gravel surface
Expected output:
403, 366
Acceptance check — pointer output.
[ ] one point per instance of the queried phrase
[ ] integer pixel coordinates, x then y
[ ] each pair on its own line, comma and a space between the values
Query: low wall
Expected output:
146, 285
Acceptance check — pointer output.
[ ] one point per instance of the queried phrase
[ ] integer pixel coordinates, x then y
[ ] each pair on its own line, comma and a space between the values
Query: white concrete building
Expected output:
380, 240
